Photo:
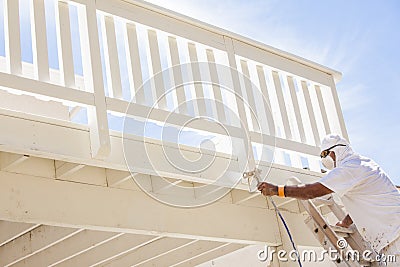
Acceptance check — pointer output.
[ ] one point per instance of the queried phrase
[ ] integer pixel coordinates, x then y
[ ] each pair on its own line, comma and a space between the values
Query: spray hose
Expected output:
253, 179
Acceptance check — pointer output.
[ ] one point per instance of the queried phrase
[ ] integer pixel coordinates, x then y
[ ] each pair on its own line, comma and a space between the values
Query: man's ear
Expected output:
333, 155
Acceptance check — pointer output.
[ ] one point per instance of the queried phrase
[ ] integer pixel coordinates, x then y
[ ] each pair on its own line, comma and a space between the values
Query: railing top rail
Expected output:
192, 21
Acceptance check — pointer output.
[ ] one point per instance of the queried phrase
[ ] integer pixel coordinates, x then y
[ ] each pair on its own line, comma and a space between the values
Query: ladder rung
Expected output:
339, 229
321, 201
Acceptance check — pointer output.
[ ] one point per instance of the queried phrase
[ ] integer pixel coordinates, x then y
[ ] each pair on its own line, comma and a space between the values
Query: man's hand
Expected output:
268, 189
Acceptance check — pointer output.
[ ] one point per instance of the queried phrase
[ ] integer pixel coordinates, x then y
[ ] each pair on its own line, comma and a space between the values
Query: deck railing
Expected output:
118, 59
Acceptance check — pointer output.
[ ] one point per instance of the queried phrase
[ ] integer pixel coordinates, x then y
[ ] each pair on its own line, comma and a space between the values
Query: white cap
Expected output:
341, 152
332, 139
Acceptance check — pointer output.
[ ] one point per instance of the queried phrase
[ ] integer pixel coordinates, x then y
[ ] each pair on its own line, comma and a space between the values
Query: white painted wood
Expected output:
90, 249
76, 243
113, 248
111, 57
182, 253
11, 161
207, 34
250, 96
296, 108
219, 102
12, 36
97, 116
281, 61
134, 65
10, 231
338, 109
115, 178
45, 89
160, 97
282, 106
177, 73
34, 193
311, 115
266, 100
39, 41
210, 255
34, 242
66, 169
135, 11
198, 82
64, 44
323, 109
134, 256
240, 105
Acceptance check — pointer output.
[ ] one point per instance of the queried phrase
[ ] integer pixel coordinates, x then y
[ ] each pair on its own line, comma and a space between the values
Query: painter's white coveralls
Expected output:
367, 193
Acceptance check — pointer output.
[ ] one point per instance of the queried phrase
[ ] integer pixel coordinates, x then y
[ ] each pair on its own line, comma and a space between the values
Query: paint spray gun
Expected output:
253, 179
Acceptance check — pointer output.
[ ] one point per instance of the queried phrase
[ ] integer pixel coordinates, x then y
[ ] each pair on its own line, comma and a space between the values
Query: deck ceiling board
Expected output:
210, 255
68, 247
189, 251
9, 231
150, 251
33, 242
118, 246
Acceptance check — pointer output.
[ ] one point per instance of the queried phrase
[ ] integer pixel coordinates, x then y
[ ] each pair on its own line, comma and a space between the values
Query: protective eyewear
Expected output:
325, 152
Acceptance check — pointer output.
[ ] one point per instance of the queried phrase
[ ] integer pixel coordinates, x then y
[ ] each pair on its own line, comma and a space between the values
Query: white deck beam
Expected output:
92, 212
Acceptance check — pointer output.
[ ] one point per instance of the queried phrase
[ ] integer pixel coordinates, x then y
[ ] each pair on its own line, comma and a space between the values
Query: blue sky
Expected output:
358, 38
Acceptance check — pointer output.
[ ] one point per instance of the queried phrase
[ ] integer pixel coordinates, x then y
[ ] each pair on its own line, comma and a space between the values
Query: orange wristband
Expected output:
281, 191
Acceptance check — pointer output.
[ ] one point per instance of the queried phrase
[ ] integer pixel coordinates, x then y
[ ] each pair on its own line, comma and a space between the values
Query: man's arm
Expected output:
304, 192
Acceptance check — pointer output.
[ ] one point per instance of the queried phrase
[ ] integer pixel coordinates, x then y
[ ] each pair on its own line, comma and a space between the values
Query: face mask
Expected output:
328, 162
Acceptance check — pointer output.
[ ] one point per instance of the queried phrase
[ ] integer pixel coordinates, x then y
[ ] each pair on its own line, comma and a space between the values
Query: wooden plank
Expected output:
10, 161
34, 242
323, 109
266, 100
113, 248
39, 41
210, 255
111, 58
97, 116
10, 231
282, 106
198, 82
310, 111
338, 109
12, 36
249, 162
76, 243
134, 65
59, 93
280, 62
177, 73
250, 96
160, 97
66, 169
34, 193
296, 107
175, 256
145, 254
64, 44
164, 22
219, 102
